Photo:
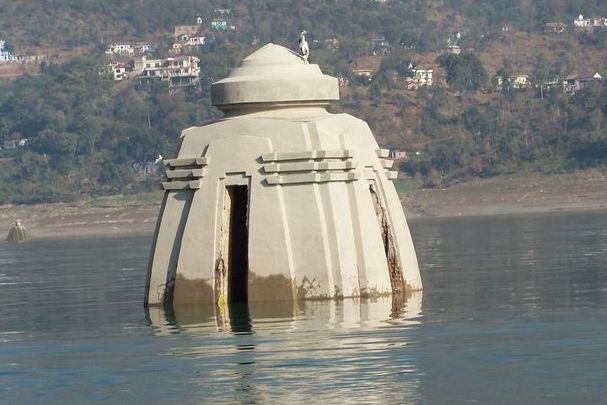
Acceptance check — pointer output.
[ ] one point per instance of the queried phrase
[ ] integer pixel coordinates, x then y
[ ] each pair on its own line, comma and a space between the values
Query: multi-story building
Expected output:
178, 71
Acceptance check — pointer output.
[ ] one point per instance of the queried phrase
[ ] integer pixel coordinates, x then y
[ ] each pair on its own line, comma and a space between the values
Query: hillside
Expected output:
84, 135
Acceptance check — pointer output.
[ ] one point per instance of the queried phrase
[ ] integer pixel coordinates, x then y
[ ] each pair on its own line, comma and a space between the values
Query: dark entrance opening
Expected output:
238, 254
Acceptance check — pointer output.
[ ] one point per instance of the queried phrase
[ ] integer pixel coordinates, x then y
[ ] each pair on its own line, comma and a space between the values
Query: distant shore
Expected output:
70, 221
497, 196
507, 195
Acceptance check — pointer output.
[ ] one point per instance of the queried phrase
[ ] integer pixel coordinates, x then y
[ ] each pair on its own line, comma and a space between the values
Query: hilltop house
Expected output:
31, 58
520, 81
398, 154
120, 49
223, 11
14, 143
127, 49
454, 44
189, 30
193, 41
576, 82
176, 48
380, 46
186, 41
548, 87
144, 48
188, 35
119, 72
365, 75
582, 23
6, 56
556, 27
219, 24
517, 81
114, 71
140, 64
421, 78
424, 76
220, 20
179, 71
454, 49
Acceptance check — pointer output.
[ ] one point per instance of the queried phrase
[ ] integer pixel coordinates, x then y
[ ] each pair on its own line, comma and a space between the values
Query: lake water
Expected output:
514, 311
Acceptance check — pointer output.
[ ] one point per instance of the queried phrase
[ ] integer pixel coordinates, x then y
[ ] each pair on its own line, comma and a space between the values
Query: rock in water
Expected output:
18, 233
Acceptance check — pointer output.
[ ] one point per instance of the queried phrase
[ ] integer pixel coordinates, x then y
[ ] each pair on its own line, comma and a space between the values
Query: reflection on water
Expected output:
513, 311
358, 349
518, 305
241, 318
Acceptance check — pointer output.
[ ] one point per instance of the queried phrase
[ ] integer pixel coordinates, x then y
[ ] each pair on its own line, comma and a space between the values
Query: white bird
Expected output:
158, 159
304, 50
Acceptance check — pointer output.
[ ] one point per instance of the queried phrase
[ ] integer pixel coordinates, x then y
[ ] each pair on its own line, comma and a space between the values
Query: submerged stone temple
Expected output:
280, 199
18, 233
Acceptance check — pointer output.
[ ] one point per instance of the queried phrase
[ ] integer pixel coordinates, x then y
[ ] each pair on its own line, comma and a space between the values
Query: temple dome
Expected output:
274, 75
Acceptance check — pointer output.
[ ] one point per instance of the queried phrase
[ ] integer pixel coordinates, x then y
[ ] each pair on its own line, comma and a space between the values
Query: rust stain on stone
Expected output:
398, 303
396, 275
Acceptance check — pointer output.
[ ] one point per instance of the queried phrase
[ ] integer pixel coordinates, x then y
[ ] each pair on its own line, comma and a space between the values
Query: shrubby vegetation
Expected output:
89, 136
464, 71
508, 134
525, 14
85, 135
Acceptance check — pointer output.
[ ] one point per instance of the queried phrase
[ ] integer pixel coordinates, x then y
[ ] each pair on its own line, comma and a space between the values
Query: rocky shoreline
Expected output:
69, 221
507, 195
584, 191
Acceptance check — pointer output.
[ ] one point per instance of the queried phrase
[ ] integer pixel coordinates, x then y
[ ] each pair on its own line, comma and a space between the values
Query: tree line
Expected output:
87, 134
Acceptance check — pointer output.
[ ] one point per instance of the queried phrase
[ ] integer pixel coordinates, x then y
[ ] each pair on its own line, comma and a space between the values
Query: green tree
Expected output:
541, 72
465, 72
9, 47
448, 155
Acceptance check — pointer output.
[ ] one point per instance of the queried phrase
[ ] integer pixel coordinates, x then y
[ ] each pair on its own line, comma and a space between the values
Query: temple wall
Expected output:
322, 218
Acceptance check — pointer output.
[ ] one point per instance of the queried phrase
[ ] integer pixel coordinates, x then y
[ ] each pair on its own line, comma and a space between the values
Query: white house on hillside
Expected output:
398, 154
421, 78
178, 71
576, 82
120, 49
129, 49
140, 64
517, 81
6, 56
114, 71
582, 23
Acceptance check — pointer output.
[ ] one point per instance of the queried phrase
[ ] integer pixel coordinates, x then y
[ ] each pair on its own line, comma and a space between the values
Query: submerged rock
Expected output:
18, 233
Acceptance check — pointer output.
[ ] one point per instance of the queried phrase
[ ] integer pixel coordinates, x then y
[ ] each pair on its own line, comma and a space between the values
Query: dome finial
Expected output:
274, 75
